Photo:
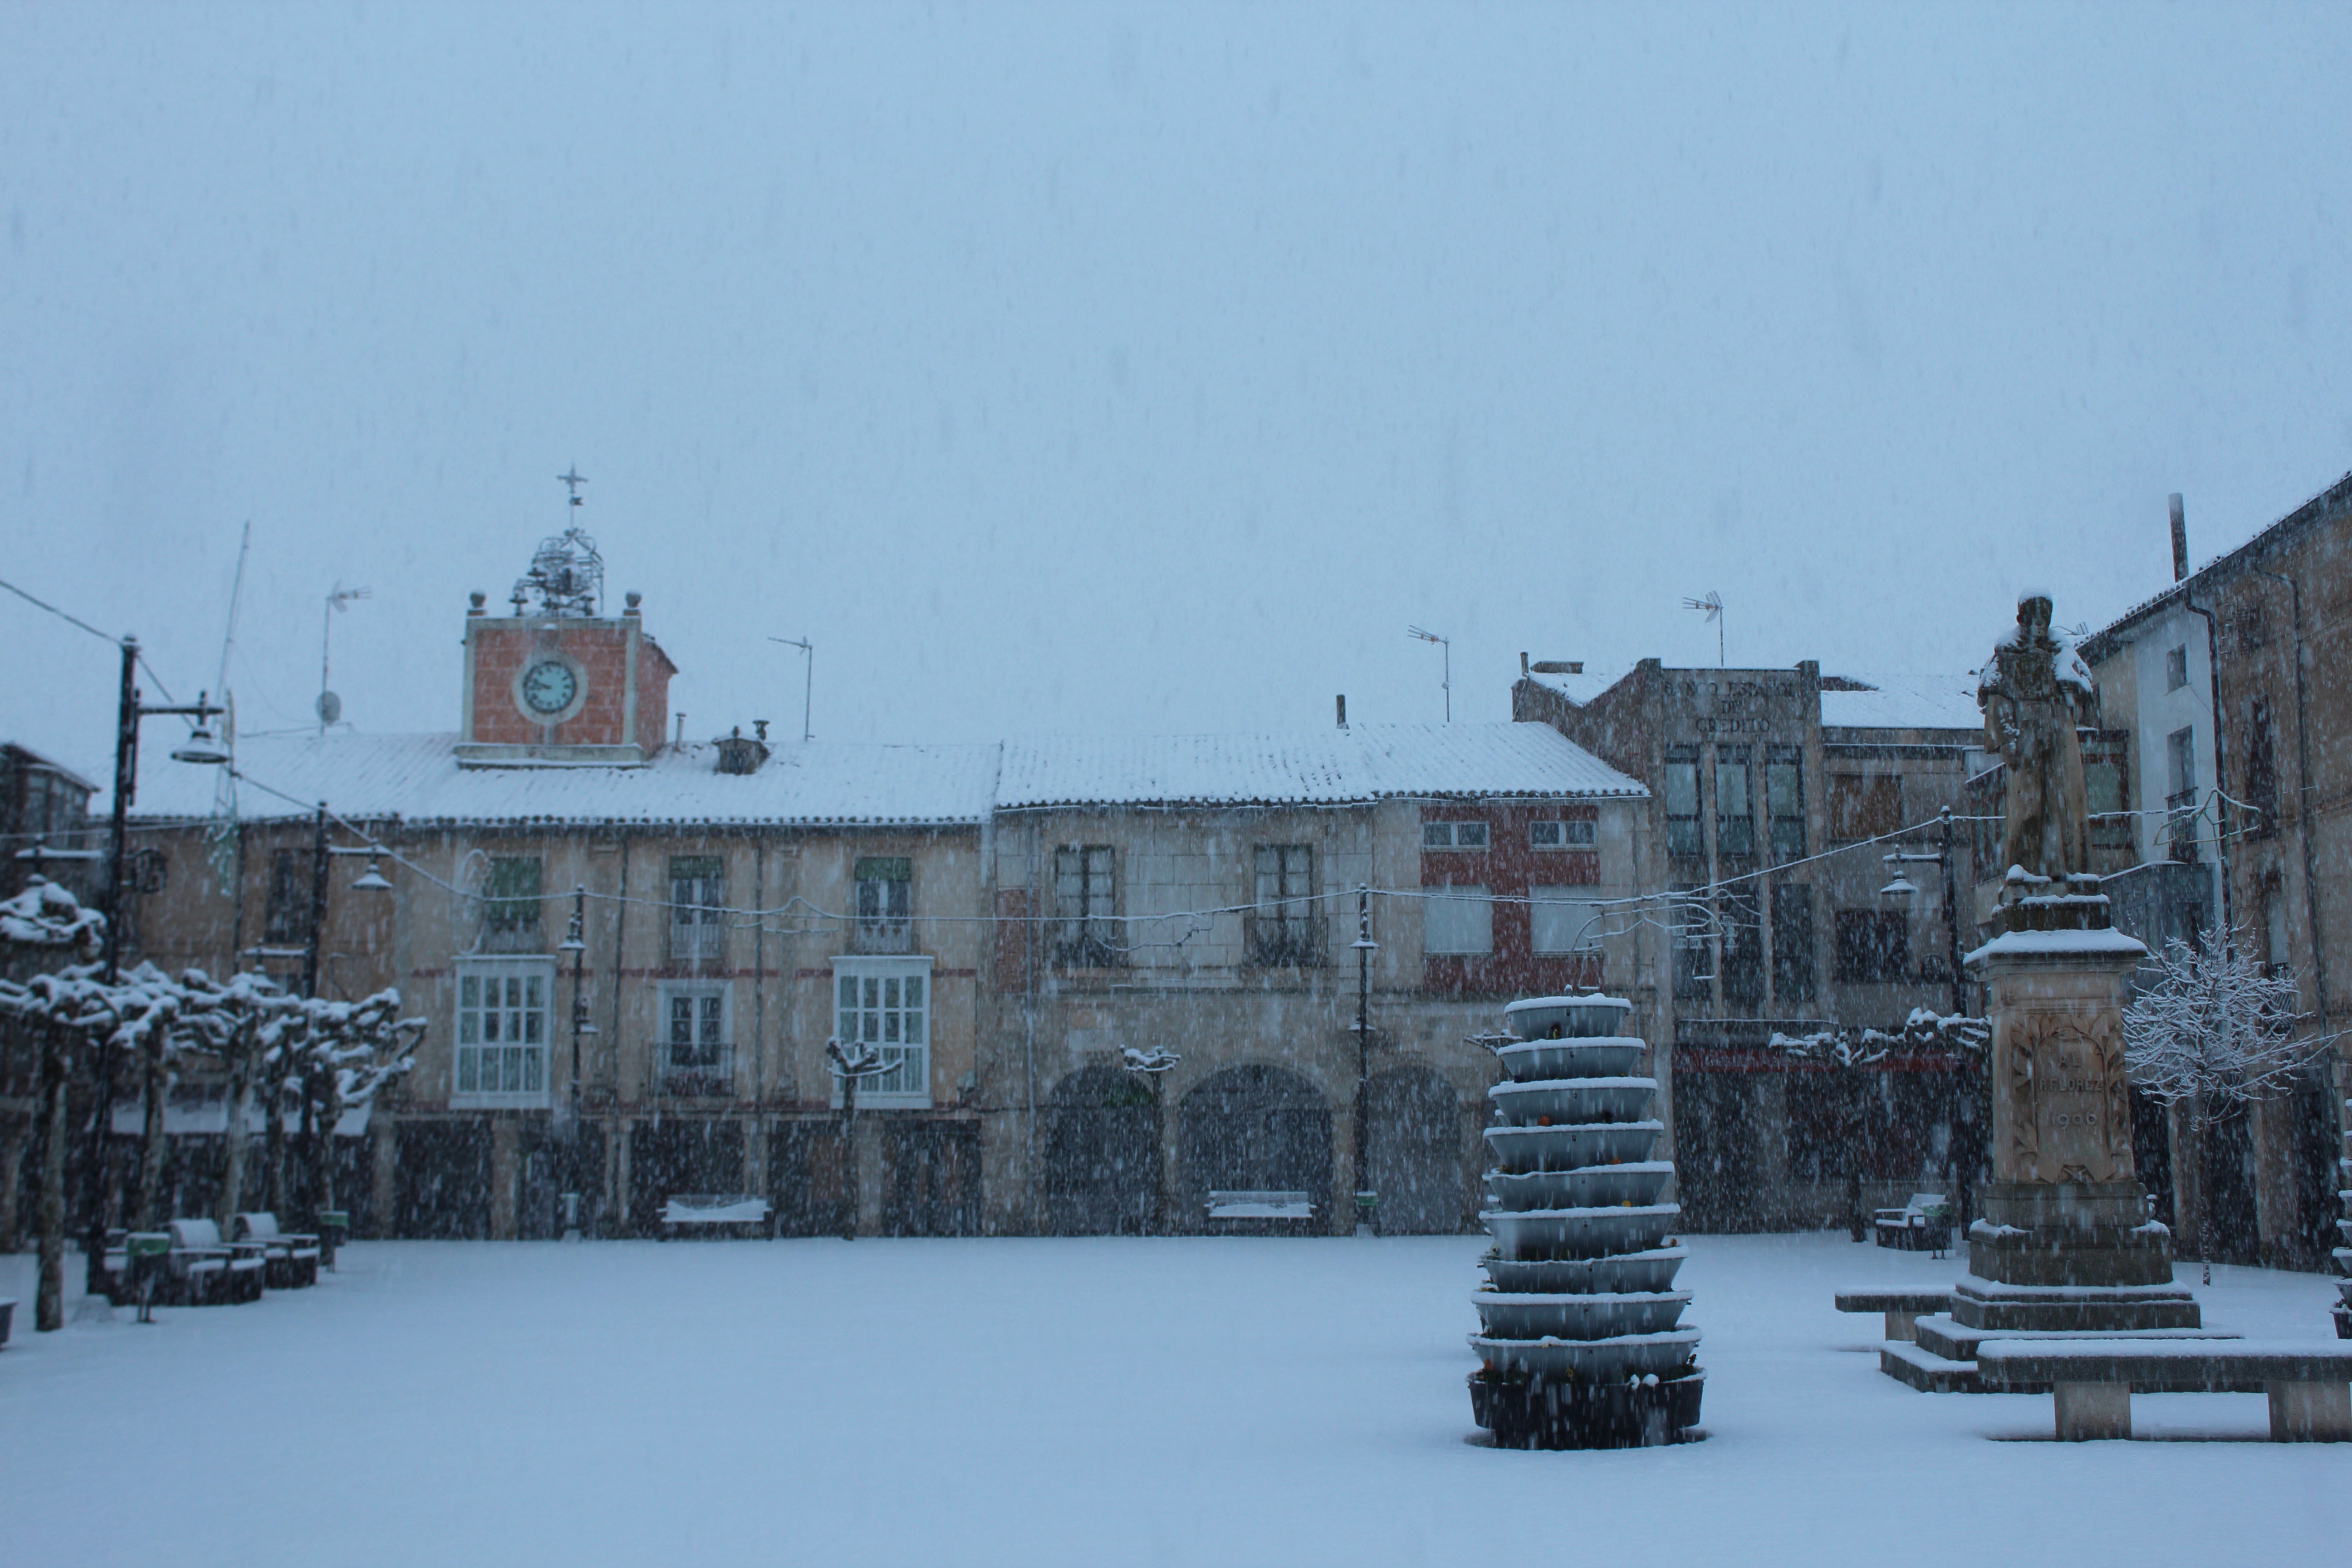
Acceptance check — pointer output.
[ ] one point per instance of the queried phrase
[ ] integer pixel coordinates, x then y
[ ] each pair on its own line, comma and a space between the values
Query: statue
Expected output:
2034, 693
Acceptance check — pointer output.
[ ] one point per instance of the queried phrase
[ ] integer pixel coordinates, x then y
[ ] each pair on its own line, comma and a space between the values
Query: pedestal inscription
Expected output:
2059, 1070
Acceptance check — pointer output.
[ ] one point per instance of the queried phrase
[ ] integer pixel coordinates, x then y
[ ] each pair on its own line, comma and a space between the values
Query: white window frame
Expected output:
527, 1063
1567, 833
908, 1088
1444, 837
1436, 910
1572, 917
666, 993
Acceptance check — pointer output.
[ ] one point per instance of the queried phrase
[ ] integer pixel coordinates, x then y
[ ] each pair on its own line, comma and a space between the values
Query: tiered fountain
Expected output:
1579, 1343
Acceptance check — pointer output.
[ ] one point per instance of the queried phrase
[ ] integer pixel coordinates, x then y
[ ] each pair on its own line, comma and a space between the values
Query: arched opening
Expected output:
1253, 1128
1413, 1150
1102, 1155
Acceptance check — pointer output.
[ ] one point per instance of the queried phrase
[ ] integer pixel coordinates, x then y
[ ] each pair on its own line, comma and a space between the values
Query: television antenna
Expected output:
1447, 644
808, 679
1713, 606
330, 706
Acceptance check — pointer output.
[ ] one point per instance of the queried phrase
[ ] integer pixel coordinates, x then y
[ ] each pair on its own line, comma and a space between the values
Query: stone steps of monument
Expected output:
1928, 1373
1939, 1335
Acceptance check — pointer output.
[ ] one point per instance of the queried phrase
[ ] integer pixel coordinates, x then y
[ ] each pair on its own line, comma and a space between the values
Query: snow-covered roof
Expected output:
1362, 762
32, 758
1582, 688
1904, 702
417, 779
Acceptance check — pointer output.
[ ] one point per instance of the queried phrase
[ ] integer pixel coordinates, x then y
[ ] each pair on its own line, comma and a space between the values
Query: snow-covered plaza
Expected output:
1101, 1401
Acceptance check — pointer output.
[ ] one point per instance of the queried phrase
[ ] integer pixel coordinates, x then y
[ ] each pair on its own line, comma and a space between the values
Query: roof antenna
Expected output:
1713, 606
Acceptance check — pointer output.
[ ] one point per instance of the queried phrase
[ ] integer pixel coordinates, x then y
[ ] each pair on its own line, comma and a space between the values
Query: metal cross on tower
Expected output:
575, 478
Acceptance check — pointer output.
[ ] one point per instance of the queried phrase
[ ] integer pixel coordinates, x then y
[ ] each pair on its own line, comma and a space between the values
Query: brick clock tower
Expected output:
556, 682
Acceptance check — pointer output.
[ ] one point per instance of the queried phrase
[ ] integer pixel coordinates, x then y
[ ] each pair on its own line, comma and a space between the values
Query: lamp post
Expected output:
1900, 891
575, 943
1154, 1065
1366, 1198
203, 749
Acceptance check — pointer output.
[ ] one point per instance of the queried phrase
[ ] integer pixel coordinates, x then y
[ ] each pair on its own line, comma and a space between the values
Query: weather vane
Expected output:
573, 479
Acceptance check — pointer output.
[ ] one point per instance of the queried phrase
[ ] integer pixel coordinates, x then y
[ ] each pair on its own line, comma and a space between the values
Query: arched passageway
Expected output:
1251, 1129
1413, 1129
1102, 1155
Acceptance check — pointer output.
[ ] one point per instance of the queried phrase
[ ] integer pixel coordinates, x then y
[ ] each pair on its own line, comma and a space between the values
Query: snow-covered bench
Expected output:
1258, 1210
1924, 1223
1903, 1308
203, 1268
2091, 1381
291, 1258
713, 1213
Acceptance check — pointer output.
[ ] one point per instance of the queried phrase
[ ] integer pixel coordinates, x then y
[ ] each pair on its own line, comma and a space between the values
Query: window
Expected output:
1457, 921
1565, 920
1694, 976
1084, 932
698, 897
2274, 938
1864, 805
510, 904
2180, 796
1742, 964
2176, 667
885, 902
884, 1003
1792, 944
1282, 928
502, 1009
1567, 835
1873, 946
1453, 836
697, 1056
1734, 813
1784, 802
1681, 786
287, 922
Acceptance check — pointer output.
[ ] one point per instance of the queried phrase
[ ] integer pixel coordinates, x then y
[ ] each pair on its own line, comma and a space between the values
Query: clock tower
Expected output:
555, 682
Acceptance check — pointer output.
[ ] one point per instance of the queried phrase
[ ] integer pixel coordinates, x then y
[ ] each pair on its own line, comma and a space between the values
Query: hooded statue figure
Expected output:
2036, 692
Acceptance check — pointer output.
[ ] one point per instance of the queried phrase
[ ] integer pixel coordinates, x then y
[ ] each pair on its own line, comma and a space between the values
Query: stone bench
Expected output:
1903, 1308
714, 1214
1258, 1210
2091, 1381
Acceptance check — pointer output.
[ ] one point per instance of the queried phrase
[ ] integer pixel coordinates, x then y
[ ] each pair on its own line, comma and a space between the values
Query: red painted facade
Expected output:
600, 651
1507, 868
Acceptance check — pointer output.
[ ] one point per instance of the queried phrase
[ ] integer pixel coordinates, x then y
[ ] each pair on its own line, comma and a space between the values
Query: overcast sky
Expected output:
1087, 368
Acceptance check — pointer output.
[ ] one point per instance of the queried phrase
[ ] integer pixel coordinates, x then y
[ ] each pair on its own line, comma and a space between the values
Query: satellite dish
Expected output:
331, 708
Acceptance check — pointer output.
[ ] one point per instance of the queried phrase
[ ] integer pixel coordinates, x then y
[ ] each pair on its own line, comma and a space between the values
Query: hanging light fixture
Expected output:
372, 879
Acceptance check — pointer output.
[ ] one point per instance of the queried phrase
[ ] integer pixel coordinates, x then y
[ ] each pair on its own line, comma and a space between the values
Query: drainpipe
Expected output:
2213, 681
2303, 798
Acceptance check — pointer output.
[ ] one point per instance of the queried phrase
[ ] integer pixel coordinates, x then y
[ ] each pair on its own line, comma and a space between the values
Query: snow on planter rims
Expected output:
1105, 1401
1580, 1343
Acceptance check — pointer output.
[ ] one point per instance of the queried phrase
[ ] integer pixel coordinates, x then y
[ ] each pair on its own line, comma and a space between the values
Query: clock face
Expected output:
549, 687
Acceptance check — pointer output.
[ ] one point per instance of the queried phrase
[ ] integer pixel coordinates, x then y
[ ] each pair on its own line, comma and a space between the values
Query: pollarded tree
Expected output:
346, 1052
239, 1019
2212, 1030
46, 921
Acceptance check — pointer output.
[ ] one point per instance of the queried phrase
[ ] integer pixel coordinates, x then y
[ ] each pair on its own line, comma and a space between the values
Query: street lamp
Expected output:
1900, 891
205, 751
1367, 1198
575, 943
1155, 1065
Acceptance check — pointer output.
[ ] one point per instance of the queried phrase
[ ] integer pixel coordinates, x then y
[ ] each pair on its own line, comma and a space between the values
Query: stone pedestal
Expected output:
2065, 1245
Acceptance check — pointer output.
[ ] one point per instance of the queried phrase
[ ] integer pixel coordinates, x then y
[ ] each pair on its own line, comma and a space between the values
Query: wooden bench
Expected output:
2091, 1381
1904, 1308
1924, 1223
1259, 1210
714, 1214
291, 1259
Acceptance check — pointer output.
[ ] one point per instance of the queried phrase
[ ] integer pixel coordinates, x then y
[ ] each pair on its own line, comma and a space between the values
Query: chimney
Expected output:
475, 602
1523, 666
1343, 710
681, 730
2179, 540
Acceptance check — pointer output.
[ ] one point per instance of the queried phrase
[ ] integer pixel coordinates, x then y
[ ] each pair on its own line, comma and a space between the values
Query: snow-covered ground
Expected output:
1086, 1402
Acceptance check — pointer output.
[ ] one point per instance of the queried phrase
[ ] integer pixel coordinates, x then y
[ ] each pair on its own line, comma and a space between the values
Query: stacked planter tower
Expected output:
1581, 1343
2343, 1255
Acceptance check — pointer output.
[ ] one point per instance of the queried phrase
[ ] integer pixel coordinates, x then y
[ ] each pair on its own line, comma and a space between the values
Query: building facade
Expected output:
2243, 797
1774, 796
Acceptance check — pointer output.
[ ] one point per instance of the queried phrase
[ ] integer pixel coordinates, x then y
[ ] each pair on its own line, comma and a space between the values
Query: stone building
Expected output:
1201, 895
740, 903
2242, 748
1773, 797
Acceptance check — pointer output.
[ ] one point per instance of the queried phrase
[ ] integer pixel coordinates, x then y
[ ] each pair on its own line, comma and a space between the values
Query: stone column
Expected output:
387, 1177
505, 1176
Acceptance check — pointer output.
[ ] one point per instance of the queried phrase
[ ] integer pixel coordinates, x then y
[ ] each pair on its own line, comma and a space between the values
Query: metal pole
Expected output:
1363, 946
579, 989
808, 687
1952, 916
102, 1121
